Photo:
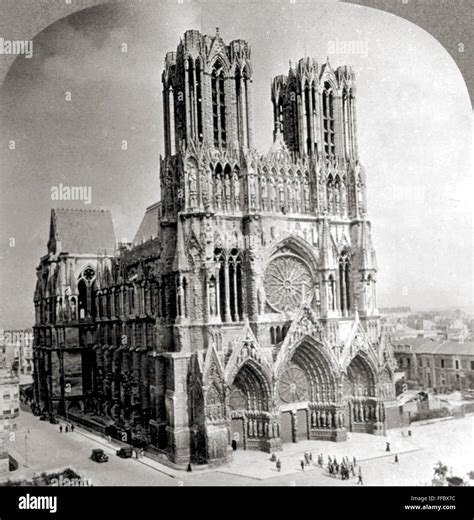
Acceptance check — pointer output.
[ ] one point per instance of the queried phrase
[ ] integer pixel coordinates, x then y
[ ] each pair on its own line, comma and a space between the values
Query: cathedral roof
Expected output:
148, 228
81, 231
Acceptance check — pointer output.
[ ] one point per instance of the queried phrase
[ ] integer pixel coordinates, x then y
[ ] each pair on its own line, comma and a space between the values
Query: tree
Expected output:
440, 470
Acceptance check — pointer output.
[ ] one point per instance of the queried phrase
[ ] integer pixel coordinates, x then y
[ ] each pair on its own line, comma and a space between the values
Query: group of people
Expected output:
277, 461
67, 427
306, 460
345, 468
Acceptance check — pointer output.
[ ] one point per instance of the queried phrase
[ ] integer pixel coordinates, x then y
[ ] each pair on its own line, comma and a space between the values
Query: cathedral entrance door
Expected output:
237, 433
302, 425
286, 427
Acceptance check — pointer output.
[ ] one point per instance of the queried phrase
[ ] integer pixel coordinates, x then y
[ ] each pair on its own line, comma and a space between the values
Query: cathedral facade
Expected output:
244, 314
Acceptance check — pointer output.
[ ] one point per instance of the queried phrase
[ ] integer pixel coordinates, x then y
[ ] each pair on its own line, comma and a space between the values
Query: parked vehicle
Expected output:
53, 420
44, 417
125, 453
98, 455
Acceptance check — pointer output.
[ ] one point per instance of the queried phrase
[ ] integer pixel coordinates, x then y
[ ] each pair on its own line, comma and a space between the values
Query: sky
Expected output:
413, 119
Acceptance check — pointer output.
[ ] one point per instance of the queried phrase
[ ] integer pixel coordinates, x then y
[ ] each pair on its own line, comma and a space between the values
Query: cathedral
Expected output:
244, 314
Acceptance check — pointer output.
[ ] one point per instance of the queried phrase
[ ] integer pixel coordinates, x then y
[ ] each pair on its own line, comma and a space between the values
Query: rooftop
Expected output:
81, 231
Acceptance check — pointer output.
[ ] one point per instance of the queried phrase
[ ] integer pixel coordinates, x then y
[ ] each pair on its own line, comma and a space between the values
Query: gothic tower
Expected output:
254, 246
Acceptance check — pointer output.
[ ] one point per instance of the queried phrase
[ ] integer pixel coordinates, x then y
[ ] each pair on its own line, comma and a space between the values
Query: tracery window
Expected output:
344, 284
229, 285
241, 89
86, 289
218, 106
328, 121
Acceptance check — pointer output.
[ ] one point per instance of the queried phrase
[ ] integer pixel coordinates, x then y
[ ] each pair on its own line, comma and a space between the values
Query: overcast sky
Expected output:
414, 130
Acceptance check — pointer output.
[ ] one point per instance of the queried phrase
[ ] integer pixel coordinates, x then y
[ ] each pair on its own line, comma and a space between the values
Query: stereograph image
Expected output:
236, 247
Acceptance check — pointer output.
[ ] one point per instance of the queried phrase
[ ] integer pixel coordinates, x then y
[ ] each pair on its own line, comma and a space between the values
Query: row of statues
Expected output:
266, 191
262, 427
327, 419
364, 412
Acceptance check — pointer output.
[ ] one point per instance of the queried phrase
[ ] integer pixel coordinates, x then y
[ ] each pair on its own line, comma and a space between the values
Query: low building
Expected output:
16, 347
9, 401
443, 365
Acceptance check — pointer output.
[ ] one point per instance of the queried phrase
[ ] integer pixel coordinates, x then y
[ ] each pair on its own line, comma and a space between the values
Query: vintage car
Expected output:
99, 455
53, 420
125, 453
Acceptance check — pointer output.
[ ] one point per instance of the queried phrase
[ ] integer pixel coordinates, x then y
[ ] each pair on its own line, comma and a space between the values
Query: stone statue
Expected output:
73, 309
212, 298
281, 195
343, 199
180, 294
323, 419
192, 179
330, 295
252, 191
236, 183
369, 294
297, 194
289, 196
227, 191
306, 194
218, 191
204, 188
263, 191
272, 194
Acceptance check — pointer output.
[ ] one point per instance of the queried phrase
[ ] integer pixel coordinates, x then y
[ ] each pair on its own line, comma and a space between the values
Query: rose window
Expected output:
287, 283
293, 386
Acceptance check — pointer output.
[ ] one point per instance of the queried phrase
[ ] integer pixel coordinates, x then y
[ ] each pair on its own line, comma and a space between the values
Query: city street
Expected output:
450, 441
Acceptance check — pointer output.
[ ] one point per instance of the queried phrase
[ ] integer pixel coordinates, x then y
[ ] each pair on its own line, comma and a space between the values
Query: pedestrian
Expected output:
360, 481
60, 428
396, 458
67, 428
142, 452
109, 438
354, 461
302, 464
310, 457
387, 447
353, 470
278, 464
329, 459
189, 467
72, 428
